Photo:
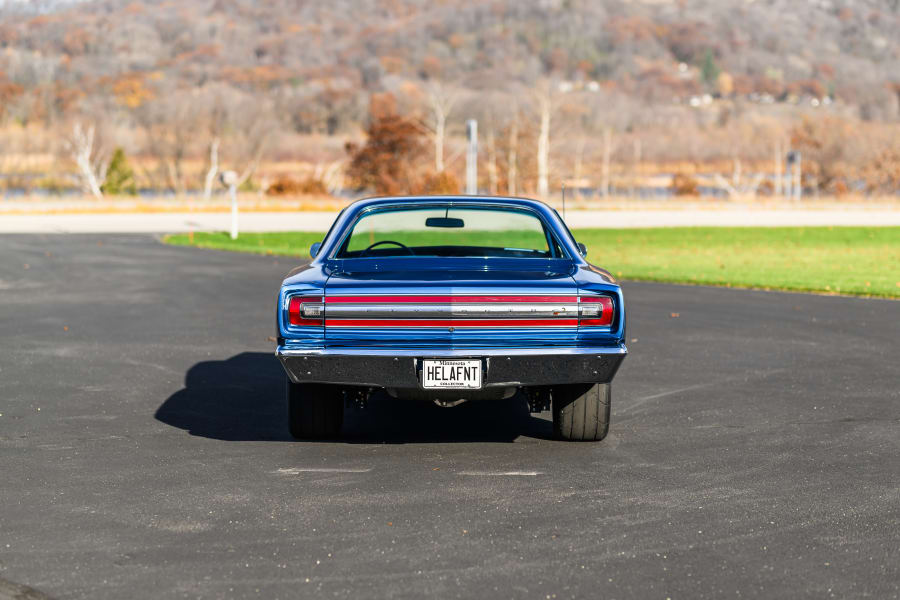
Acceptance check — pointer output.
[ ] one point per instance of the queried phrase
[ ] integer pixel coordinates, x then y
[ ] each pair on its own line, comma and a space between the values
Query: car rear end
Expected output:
407, 337
447, 323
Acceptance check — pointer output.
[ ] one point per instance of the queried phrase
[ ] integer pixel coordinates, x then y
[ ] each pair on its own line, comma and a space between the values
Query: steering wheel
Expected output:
408, 249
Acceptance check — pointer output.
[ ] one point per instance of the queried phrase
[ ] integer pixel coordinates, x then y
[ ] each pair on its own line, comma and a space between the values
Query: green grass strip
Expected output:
863, 261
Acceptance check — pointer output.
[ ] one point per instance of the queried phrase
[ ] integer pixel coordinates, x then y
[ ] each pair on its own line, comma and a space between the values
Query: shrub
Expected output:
119, 176
684, 185
248, 186
288, 186
440, 183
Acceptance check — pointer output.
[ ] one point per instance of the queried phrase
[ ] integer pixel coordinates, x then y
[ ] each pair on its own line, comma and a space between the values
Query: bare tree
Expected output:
333, 177
513, 153
441, 101
607, 153
739, 186
213, 168
90, 159
254, 125
579, 156
169, 126
543, 96
493, 184
240, 127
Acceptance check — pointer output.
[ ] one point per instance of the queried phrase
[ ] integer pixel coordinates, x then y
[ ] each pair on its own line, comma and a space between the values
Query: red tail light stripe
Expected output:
589, 315
455, 323
294, 307
443, 299
606, 314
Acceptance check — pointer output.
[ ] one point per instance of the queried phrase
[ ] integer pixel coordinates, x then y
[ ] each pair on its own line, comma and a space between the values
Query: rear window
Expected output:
449, 231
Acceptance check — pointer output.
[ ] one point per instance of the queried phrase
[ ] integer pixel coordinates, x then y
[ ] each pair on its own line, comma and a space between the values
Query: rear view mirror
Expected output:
582, 248
314, 249
444, 222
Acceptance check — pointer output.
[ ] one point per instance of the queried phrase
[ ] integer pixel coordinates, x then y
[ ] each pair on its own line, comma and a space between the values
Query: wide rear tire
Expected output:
581, 411
315, 411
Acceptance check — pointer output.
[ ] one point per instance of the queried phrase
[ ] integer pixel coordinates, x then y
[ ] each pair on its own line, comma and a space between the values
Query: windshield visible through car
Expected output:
449, 231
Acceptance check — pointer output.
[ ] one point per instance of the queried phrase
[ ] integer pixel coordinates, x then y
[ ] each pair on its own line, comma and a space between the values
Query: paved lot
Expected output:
754, 452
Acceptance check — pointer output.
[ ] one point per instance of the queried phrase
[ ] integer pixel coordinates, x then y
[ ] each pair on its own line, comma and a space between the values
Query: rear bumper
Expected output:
394, 368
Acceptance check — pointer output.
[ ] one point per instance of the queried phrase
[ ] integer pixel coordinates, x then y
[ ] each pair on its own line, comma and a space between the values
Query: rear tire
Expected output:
315, 410
581, 411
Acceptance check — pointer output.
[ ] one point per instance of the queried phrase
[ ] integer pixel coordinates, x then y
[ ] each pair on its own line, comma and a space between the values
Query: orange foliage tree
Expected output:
389, 162
822, 142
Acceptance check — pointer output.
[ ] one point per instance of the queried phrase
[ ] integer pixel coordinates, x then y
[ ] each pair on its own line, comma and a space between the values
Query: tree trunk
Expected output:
173, 176
543, 150
91, 179
511, 170
82, 148
440, 122
213, 169
637, 161
579, 161
778, 176
607, 151
492, 162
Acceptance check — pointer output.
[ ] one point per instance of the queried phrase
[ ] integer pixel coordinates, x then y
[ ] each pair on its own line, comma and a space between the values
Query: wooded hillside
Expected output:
592, 91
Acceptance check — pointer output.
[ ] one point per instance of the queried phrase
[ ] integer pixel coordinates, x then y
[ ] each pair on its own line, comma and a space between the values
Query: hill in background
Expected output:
625, 89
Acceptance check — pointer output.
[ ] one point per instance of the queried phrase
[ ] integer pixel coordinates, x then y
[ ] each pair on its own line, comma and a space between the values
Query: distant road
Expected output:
320, 221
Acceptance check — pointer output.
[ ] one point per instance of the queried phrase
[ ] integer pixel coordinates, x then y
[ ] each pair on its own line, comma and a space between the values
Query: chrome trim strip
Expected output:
425, 311
452, 353
456, 325
475, 291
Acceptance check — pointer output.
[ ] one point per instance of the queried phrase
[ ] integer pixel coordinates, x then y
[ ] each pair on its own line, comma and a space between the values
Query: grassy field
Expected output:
863, 261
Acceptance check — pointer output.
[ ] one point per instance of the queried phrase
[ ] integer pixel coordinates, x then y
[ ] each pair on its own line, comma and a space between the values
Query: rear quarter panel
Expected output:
593, 280
307, 280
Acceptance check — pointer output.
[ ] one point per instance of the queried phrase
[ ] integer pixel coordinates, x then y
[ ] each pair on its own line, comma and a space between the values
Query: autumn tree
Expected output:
168, 125
389, 162
822, 143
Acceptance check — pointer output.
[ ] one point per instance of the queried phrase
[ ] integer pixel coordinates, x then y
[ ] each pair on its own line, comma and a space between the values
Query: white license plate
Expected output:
451, 374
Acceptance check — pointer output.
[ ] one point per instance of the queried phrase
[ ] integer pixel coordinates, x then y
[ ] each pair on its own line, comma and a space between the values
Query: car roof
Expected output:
388, 200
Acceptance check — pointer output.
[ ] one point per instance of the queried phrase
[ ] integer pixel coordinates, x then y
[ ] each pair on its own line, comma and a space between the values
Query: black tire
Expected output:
315, 410
581, 411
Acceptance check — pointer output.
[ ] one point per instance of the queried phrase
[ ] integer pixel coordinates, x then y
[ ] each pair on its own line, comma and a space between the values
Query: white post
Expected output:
232, 189
472, 157
230, 179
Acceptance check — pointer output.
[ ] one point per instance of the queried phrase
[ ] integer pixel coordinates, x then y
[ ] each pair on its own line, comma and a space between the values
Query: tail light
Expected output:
595, 311
306, 310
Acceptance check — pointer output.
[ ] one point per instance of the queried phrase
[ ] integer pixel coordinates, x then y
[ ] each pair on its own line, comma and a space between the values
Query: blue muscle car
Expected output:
450, 299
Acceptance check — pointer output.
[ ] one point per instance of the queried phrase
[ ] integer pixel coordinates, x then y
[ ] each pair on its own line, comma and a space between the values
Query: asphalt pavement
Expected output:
754, 450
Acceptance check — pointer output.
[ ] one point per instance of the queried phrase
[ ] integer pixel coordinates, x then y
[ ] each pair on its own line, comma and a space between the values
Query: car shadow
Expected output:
242, 399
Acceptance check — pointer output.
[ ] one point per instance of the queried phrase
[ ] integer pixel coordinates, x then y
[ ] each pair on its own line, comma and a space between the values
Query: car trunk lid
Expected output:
451, 304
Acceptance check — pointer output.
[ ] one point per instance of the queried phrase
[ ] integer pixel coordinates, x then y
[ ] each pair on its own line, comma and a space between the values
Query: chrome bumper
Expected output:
396, 368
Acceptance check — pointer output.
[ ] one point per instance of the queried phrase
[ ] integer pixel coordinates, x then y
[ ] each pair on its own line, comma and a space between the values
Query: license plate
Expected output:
451, 374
